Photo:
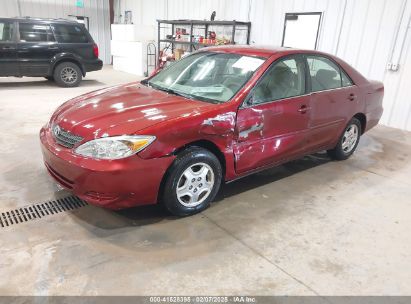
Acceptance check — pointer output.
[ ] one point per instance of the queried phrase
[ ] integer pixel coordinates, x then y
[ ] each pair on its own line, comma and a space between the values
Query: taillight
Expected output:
95, 50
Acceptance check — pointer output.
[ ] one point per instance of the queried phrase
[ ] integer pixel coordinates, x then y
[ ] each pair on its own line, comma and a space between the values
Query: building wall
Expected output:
368, 34
96, 10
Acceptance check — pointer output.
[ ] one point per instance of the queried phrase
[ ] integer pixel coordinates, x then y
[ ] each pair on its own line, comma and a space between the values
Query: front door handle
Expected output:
53, 47
303, 109
8, 48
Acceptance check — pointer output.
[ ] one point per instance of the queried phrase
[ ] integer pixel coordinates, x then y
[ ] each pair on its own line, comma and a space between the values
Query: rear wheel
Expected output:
68, 75
192, 182
348, 141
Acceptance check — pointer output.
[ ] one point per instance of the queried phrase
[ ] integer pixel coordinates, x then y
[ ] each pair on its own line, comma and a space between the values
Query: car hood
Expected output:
121, 110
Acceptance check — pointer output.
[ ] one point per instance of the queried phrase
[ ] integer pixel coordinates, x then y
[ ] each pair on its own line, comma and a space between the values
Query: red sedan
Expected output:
216, 115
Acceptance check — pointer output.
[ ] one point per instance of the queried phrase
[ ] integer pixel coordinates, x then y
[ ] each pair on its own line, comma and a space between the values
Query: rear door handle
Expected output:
8, 48
53, 47
352, 97
303, 109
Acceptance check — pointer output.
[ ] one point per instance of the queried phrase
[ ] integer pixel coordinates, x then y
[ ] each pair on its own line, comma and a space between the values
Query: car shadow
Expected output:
43, 83
271, 175
146, 215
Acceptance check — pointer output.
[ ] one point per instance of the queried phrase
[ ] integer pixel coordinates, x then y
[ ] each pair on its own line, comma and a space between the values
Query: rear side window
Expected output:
32, 32
6, 31
325, 74
346, 82
70, 33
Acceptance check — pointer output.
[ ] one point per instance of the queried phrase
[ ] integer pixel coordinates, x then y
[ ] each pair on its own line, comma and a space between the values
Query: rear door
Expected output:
8, 57
272, 125
332, 98
36, 48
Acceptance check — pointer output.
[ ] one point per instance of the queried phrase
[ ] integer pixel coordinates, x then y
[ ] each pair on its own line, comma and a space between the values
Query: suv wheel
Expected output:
68, 75
192, 182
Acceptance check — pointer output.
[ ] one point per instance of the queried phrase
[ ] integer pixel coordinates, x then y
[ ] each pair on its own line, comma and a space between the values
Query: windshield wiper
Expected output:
170, 91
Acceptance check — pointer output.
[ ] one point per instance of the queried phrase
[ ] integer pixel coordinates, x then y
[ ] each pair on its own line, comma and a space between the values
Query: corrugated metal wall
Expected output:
362, 32
96, 10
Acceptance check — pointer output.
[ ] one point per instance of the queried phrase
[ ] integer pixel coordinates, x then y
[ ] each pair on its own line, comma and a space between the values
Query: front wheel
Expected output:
348, 141
192, 182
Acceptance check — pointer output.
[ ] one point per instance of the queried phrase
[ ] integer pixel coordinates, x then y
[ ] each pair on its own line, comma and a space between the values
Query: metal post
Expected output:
19, 7
158, 39
248, 32
172, 34
191, 37
233, 34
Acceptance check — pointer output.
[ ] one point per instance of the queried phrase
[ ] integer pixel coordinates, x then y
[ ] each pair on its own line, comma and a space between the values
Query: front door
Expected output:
272, 124
36, 48
8, 57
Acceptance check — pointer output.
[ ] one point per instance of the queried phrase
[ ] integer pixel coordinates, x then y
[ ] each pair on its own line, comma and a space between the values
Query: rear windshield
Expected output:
70, 33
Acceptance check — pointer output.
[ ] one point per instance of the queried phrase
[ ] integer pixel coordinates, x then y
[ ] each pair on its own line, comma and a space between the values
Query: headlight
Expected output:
114, 147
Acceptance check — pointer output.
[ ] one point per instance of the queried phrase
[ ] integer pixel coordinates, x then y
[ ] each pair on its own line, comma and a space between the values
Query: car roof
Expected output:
43, 20
259, 51
248, 50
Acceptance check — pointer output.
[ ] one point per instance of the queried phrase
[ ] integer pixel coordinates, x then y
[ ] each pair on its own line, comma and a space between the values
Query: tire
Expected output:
49, 78
348, 141
192, 182
67, 75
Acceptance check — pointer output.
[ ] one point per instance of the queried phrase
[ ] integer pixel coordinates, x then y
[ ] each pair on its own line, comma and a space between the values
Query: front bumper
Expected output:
113, 184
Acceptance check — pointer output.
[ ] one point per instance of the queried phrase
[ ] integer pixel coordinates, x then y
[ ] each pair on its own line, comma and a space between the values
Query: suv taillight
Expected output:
95, 50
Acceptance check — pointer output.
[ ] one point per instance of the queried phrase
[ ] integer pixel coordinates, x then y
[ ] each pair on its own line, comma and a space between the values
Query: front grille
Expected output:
65, 138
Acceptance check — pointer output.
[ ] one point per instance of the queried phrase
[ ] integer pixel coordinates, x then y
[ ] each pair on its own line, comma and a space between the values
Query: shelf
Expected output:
204, 22
199, 24
188, 42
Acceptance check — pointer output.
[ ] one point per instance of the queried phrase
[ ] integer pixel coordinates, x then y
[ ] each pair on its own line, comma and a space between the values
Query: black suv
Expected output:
57, 49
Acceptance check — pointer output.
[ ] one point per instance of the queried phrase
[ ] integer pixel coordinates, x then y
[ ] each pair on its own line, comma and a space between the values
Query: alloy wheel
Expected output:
195, 184
350, 138
69, 75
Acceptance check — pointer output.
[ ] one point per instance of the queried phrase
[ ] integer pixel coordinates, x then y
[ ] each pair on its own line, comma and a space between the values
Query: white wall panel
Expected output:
96, 10
362, 32
9, 8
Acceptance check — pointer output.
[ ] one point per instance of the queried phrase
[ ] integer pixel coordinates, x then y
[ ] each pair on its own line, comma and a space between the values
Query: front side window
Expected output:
70, 33
6, 31
325, 74
31, 32
208, 76
284, 79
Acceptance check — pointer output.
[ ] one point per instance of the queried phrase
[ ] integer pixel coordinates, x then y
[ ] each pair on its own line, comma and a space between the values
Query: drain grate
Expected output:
37, 211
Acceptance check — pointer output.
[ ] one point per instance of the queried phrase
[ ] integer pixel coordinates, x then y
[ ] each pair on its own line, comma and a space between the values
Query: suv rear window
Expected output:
70, 33
6, 31
32, 32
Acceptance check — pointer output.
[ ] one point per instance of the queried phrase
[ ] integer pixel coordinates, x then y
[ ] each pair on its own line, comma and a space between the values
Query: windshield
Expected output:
207, 76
